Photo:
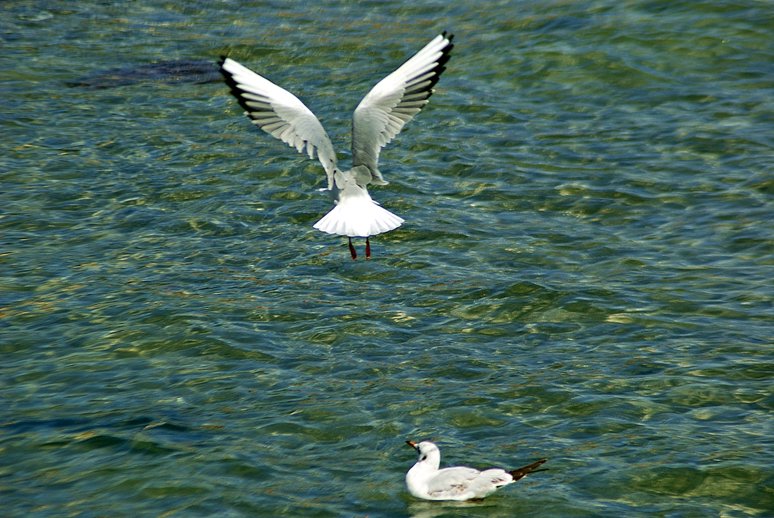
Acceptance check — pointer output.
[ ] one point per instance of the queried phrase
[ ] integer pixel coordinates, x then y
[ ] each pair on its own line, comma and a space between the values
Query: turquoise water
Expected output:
584, 273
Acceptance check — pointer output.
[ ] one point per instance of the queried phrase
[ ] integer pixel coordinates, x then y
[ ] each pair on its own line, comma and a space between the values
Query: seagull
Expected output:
378, 118
426, 481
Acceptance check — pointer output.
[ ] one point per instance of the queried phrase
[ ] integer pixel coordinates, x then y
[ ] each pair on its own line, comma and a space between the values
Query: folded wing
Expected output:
279, 113
452, 482
394, 101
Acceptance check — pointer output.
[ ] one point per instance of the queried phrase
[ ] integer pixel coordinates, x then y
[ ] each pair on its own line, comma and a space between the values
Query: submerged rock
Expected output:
172, 71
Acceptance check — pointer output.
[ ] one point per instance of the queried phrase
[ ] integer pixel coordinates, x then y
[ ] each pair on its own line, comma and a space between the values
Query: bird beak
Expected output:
412, 444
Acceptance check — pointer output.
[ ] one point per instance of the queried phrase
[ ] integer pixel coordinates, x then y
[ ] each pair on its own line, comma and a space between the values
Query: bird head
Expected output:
427, 452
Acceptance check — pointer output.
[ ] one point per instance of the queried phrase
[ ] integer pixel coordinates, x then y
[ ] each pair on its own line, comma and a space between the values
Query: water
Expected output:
584, 275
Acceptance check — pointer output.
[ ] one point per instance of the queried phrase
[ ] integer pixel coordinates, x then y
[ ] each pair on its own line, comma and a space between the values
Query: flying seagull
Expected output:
424, 480
378, 118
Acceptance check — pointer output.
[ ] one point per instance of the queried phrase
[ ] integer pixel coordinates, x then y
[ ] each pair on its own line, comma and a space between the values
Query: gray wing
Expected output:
280, 114
394, 101
452, 482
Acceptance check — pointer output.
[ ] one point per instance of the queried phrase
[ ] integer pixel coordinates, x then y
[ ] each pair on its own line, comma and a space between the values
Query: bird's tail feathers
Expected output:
358, 217
526, 470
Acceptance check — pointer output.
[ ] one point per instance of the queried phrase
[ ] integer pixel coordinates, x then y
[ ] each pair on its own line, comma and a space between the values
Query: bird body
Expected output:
425, 480
378, 118
356, 214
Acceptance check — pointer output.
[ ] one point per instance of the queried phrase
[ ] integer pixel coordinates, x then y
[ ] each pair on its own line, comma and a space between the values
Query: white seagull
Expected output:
377, 120
426, 481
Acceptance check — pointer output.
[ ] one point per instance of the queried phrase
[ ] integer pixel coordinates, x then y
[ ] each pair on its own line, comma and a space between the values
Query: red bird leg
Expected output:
368, 249
352, 251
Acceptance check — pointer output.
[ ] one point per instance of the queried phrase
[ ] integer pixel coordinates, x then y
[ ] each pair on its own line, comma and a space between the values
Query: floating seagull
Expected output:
425, 480
377, 120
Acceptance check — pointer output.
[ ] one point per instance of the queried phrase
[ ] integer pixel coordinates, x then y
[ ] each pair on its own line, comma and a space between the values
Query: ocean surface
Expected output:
585, 272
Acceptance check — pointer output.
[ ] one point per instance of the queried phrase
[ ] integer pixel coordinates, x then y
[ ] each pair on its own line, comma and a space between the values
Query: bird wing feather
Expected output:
451, 482
394, 101
280, 114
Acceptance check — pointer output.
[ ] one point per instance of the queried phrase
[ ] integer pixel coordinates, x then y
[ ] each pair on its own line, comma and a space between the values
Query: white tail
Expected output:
358, 216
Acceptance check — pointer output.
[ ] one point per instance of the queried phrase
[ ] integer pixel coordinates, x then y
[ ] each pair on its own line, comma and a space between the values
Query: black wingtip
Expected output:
232, 85
441, 64
522, 472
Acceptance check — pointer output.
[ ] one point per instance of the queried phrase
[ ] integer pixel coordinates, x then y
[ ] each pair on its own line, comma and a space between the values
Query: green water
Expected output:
584, 273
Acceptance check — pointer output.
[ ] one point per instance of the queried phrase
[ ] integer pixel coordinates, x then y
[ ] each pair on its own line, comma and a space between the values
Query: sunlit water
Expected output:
584, 273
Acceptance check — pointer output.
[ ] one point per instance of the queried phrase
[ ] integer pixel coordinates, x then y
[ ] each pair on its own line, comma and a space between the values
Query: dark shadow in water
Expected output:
195, 71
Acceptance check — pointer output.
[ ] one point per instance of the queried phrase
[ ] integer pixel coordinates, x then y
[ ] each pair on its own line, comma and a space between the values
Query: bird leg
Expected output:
352, 251
368, 249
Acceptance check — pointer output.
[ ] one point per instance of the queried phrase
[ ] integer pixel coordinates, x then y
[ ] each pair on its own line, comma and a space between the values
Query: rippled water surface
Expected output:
585, 272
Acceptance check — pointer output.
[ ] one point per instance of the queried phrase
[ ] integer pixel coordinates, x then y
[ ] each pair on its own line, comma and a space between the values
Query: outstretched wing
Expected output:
279, 113
394, 101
